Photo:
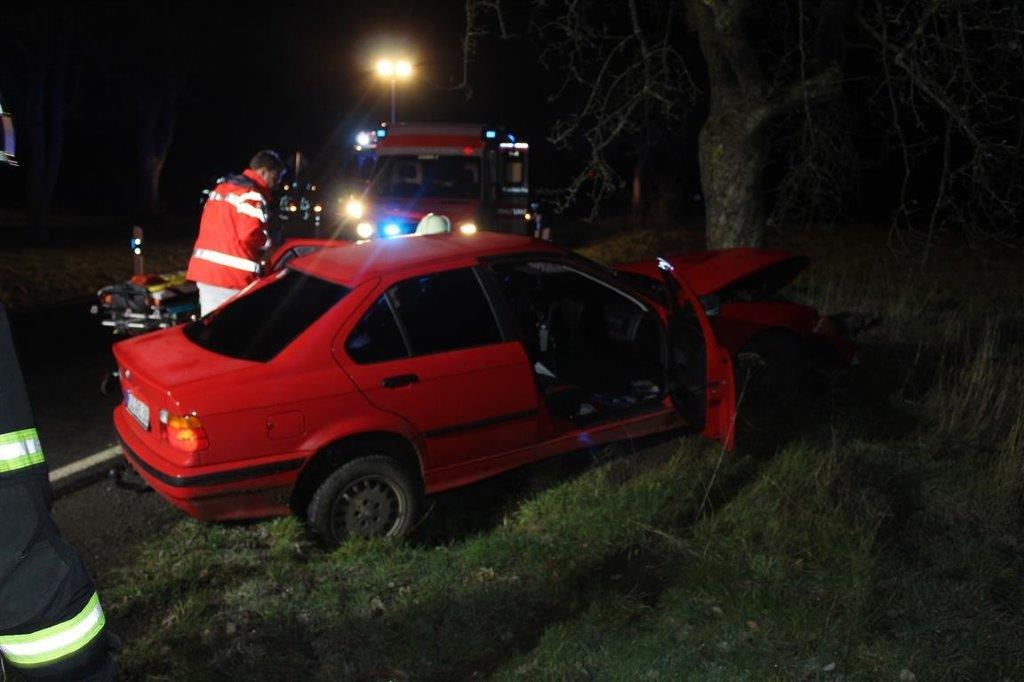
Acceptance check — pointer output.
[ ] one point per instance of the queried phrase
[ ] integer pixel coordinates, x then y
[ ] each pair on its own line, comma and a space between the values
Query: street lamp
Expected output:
394, 70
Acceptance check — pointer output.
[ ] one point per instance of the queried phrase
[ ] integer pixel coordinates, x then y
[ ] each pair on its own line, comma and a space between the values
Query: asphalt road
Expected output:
64, 353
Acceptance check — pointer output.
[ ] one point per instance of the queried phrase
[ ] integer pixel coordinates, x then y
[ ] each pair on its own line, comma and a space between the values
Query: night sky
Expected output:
256, 77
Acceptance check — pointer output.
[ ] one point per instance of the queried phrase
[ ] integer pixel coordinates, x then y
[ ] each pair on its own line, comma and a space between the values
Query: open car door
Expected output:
700, 370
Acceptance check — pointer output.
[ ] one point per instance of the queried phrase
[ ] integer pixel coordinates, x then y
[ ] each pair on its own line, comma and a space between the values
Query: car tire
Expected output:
371, 496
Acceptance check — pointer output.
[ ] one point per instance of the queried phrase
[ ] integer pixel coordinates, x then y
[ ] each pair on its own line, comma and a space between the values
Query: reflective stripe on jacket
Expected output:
19, 449
232, 233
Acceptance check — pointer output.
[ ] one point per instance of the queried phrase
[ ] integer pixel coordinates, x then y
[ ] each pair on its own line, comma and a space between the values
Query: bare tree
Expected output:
480, 14
621, 63
751, 85
151, 68
43, 45
156, 93
951, 74
632, 68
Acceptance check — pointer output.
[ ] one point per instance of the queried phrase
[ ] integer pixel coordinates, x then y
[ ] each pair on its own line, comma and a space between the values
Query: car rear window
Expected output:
260, 324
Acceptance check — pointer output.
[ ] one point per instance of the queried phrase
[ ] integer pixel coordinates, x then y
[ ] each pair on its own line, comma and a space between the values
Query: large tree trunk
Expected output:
732, 160
156, 131
732, 149
157, 117
743, 100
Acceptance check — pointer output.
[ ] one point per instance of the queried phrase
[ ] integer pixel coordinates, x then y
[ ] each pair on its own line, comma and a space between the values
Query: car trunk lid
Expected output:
165, 360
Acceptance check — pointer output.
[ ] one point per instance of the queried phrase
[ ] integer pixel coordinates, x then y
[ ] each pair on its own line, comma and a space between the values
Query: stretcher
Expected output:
147, 302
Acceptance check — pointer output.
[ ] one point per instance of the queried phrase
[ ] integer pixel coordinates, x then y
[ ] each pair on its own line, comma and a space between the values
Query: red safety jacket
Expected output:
232, 233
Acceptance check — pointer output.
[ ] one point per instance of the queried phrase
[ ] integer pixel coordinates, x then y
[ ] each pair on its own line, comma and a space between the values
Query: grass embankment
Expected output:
40, 276
874, 535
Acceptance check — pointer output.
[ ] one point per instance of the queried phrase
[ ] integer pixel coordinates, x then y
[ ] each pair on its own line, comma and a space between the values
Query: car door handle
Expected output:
399, 381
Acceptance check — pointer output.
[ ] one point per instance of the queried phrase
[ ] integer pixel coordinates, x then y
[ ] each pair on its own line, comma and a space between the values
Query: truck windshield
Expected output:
428, 175
260, 324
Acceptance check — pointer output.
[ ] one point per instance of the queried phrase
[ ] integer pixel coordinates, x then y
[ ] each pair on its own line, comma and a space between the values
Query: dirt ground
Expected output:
104, 523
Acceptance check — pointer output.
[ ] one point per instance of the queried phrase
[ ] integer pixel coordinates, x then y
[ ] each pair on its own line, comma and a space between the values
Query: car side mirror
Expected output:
712, 304
7, 132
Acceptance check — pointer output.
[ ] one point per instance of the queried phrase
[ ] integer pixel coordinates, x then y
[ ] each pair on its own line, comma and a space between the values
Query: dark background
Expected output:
247, 77
253, 77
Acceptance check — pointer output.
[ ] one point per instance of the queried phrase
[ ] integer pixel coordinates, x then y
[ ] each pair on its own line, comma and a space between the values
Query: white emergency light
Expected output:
355, 209
403, 68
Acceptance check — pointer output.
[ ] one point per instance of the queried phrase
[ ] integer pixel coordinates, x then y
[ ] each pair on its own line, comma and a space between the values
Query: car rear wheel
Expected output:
367, 497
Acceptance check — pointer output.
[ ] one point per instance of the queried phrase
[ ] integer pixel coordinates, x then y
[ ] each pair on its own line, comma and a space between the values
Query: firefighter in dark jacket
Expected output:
51, 623
233, 232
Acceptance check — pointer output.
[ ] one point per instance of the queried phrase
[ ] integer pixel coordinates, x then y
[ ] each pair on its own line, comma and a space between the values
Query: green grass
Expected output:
37, 276
877, 536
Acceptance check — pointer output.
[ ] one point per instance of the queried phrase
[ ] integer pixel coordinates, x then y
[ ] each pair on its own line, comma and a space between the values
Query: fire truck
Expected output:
477, 176
7, 157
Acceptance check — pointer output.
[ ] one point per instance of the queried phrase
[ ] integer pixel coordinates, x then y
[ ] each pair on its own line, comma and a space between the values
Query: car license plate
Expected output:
137, 409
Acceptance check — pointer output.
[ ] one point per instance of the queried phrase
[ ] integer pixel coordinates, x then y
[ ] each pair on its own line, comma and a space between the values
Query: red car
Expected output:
775, 343
353, 381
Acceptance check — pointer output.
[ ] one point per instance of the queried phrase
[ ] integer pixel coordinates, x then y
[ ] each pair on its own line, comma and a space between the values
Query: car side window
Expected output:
377, 337
444, 311
293, 253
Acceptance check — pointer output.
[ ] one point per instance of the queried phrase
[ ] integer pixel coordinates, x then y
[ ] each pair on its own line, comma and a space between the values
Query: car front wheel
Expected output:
367, 497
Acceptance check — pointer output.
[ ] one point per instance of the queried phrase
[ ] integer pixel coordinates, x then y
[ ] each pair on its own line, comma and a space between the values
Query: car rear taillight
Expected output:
186, 433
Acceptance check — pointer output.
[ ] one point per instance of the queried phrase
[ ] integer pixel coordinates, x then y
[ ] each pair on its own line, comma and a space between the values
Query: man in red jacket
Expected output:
233, 232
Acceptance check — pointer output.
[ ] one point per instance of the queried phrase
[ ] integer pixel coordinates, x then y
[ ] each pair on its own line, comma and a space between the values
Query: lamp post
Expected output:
394, 70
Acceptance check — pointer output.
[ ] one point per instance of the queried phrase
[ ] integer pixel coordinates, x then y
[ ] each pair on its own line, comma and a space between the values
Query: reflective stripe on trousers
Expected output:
227, 260
20, 449
57, 641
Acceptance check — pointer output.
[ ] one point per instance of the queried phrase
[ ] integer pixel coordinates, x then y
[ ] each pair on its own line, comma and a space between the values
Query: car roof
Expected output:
359, 261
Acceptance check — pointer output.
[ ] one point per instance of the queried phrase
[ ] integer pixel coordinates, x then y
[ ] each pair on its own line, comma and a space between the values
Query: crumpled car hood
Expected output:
715, 272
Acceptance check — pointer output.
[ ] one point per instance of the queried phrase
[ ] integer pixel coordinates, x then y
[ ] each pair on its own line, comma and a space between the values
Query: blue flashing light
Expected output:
511, 137
392, 229
381, 133
490, 134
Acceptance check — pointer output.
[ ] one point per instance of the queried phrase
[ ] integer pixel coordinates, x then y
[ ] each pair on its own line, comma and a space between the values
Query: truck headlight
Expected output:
467, 228
355, 209
364, 230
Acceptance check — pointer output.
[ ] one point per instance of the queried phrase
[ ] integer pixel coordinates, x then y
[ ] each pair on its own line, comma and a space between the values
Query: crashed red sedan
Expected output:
355, 380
